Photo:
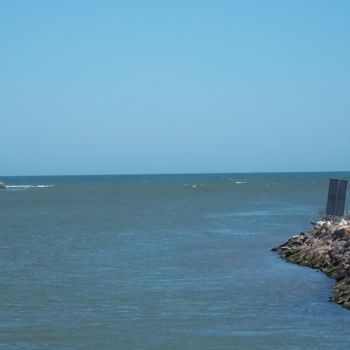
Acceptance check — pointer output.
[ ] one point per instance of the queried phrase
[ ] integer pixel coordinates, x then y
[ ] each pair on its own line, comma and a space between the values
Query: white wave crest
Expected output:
240, 182
29, 186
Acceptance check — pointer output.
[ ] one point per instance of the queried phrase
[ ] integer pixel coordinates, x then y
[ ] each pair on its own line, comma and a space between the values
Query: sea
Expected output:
163, 262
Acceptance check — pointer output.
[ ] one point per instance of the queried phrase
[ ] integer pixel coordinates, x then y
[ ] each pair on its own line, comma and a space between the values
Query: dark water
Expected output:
163, 262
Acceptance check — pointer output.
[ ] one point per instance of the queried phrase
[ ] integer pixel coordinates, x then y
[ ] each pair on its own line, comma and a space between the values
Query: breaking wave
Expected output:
29, 186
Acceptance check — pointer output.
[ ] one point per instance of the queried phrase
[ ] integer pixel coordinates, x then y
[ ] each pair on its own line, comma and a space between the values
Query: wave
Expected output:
29, 186
230, 231
288, 211
240, 182
193, 185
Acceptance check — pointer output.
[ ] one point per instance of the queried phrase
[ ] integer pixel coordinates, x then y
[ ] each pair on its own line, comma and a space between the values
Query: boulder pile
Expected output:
325, 247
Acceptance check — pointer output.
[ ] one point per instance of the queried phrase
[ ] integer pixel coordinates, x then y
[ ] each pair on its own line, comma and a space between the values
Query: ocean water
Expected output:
163, 262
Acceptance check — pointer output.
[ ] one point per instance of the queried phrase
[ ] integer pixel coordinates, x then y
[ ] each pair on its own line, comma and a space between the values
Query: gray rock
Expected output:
325, 248
2, 185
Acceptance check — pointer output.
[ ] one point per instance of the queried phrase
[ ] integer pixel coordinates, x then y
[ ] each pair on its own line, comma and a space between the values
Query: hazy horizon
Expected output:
175, 174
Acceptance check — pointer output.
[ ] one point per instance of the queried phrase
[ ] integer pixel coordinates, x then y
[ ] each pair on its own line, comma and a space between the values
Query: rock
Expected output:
285, 248
2, 185
326, 247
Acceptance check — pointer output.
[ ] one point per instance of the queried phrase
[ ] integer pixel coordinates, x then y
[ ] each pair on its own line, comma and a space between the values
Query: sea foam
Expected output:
29, 186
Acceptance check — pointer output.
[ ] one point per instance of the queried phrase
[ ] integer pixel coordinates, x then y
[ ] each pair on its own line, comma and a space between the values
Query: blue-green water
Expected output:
163, 262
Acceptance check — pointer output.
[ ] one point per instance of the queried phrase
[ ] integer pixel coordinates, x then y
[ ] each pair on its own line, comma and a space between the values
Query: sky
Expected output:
193, 86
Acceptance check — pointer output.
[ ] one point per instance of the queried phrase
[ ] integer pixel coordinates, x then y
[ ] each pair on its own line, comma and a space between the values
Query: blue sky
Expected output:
118, 87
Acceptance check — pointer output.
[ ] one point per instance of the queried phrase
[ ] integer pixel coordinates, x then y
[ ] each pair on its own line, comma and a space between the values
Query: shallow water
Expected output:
163, 262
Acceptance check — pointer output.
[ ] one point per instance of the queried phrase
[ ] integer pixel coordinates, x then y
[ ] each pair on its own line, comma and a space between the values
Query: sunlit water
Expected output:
163, 262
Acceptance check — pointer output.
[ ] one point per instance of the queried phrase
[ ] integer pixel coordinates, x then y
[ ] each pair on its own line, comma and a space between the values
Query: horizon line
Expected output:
186, 173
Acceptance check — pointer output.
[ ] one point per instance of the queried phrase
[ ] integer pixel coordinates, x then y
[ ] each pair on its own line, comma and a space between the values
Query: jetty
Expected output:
325, 247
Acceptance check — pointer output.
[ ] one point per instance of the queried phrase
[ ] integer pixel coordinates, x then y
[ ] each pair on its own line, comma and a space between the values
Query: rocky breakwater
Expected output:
325, 247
